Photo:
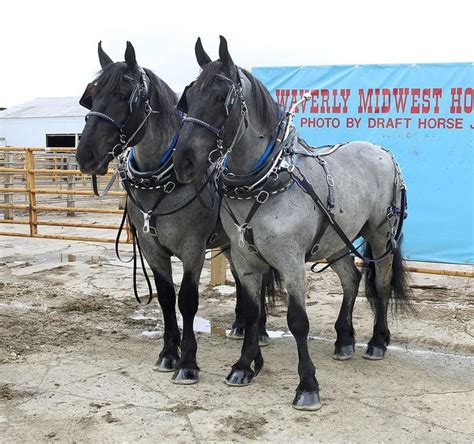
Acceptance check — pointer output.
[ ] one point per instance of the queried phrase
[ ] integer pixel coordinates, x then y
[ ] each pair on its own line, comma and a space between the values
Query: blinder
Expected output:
183, 103
86, 98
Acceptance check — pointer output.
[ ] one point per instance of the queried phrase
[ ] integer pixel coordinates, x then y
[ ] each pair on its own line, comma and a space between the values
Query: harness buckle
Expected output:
314, 249
262, 197
169, 187
330, 180
291, 168
122, 174
148, 108
122, 137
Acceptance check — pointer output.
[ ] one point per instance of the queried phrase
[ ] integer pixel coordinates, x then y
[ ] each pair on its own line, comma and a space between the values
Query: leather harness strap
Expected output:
303, 183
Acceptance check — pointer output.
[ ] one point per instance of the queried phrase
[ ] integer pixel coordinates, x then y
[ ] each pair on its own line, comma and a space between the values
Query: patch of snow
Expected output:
151, 333
224, 289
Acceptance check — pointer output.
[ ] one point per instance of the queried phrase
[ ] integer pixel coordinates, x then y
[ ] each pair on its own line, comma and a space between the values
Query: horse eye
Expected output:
123, 97
220, 99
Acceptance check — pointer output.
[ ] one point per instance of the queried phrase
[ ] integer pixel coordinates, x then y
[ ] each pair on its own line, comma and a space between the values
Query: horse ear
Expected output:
104, 59
225, 57
201, 55
130, 58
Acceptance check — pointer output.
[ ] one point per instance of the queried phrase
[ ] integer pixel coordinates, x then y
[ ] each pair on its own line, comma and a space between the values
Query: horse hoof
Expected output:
239, 378
374, 353
263, 340
343, 352
185, 376
236, 333
165, 365
307, 401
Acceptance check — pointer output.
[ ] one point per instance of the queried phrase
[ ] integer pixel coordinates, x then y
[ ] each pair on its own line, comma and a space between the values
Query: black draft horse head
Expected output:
210, 104
118, 100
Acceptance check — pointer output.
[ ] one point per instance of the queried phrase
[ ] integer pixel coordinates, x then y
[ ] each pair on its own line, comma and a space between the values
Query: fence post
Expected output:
218, 268
8, 199
71, 182
30, 186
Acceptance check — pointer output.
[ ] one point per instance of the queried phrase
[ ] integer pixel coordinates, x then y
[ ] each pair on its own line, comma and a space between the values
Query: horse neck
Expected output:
157, 139
249, 149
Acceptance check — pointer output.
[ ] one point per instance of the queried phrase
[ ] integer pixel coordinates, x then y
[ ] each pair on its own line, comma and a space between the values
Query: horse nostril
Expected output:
187, 165
91, 155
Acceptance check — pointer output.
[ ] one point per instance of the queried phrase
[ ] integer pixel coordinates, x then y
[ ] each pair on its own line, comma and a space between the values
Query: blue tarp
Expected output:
423, 114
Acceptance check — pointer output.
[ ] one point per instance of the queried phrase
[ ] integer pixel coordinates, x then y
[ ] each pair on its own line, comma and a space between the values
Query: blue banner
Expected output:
423, 114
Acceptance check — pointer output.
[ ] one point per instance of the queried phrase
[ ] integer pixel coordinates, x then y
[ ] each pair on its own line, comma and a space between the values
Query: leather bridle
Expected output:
236, 91
138, 102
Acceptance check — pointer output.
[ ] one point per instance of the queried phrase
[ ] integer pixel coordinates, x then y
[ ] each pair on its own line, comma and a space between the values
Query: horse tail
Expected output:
272, 286
401, 293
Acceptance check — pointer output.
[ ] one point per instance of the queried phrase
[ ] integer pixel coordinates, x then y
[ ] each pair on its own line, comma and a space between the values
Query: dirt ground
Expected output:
77, 354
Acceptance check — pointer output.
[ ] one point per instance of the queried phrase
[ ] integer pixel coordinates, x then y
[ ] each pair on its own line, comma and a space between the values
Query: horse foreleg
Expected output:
187, 370
350, 277
251, 278
169, 355
237, 330
238, 327
307, 392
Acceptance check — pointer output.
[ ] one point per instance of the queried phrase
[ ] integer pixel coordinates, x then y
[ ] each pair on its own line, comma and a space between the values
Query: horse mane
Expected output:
163, 98
267, 110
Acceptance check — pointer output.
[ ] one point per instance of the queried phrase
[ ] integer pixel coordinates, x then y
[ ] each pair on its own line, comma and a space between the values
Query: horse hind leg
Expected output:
378, 289
350, 277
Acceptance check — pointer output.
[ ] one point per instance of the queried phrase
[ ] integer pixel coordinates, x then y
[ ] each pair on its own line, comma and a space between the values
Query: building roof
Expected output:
46, 107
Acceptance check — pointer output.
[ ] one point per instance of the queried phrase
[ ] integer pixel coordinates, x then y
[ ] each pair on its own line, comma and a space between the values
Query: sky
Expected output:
49, 48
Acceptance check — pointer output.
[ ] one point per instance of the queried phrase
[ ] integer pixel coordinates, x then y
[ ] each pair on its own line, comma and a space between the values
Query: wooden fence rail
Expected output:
31, 174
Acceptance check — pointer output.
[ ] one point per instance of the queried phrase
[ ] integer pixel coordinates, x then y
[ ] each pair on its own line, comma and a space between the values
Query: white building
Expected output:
50, 122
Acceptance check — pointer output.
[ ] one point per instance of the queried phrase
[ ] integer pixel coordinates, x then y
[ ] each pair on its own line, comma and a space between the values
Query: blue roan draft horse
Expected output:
131, 106
284, 205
